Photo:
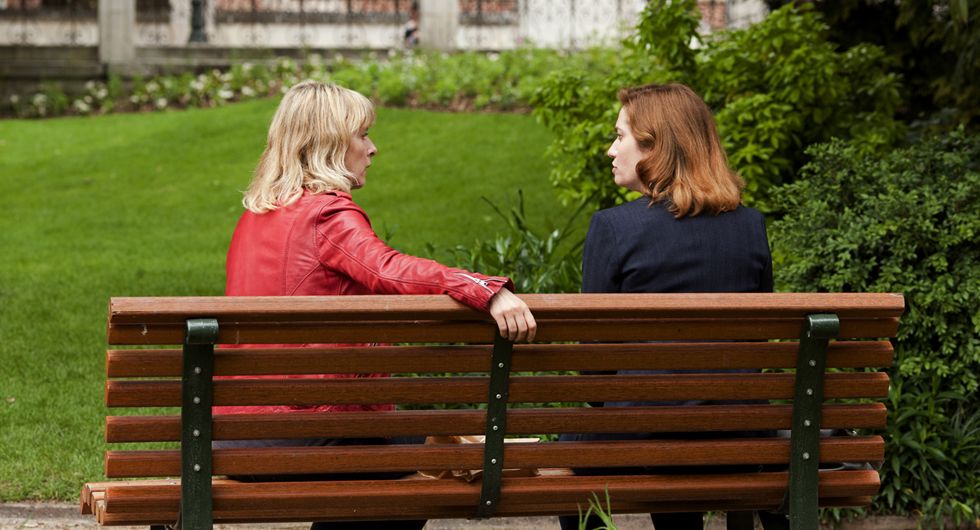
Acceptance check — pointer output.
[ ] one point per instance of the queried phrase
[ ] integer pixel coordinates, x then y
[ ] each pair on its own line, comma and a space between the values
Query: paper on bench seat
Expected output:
470, 475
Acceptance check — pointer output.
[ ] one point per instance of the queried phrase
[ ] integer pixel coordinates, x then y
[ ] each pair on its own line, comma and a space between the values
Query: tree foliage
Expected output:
906, 222
935, 45
775, 87
781, 86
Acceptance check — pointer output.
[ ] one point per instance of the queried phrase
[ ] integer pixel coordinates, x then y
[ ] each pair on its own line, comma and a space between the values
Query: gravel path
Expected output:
52, 516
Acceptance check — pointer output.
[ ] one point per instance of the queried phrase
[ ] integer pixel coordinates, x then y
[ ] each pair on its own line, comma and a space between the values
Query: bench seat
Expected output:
741, 357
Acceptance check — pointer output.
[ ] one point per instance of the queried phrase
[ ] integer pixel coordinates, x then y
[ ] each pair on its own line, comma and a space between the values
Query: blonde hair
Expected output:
307, 142
685, 166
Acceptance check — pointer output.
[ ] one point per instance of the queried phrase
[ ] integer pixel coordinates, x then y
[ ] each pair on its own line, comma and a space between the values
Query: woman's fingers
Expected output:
532, 325
514, 320
499, 313
514, 331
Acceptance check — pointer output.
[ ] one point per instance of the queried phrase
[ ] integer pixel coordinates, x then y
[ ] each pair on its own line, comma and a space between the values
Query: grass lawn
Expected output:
140, 205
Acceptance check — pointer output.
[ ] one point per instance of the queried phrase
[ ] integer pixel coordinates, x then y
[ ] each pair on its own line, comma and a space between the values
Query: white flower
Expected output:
493, 56
14, 99
246, 67
226, 94
102, 93
82, 106
197, 85
134, 99
39, 99
247, 91
90, 85
161, 103
152, 87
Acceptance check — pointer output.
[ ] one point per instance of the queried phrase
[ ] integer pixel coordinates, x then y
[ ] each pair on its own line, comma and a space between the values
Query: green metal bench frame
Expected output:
800, 503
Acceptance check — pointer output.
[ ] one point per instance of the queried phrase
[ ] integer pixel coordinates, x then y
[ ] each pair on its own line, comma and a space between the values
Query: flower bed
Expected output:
463, 81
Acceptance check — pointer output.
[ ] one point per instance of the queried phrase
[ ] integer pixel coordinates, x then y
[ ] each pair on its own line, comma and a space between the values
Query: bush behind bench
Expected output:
909, 221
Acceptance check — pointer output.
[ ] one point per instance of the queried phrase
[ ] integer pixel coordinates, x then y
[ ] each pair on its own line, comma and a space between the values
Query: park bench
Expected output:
809, 362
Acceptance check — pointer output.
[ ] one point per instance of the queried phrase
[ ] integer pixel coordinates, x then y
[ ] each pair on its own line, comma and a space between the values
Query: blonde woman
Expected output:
689, 232
302, 234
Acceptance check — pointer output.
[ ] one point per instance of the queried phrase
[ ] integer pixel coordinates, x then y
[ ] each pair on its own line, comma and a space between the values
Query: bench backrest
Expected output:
496, 389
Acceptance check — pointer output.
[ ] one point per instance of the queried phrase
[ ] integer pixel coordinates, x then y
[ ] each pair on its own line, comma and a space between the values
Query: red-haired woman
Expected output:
688, 233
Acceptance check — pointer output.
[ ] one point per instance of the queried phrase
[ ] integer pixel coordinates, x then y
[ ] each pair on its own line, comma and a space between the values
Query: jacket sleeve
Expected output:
347, 244
600, 269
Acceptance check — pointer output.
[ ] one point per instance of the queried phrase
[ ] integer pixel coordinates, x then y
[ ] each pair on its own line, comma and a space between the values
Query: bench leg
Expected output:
774, 521
740, 521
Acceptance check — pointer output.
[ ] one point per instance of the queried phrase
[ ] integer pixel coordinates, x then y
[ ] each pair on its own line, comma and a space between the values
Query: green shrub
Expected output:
539, 260
906, 222
776, 87
781, 86
580, 106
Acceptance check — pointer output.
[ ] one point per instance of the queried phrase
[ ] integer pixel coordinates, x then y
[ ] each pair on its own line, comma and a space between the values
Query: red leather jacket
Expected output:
324, 245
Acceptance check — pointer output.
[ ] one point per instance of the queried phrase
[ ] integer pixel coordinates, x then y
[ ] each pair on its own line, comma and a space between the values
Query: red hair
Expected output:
685, 166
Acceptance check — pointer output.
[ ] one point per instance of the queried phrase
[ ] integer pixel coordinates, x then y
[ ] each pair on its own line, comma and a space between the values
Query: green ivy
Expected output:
907, 222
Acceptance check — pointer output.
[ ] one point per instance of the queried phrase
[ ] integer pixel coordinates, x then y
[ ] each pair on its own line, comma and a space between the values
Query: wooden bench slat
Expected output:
272, 515
92, 492
368, 494
535, 389
440, 457
527, 357
544, 306
519, 421
605, 330
97, 491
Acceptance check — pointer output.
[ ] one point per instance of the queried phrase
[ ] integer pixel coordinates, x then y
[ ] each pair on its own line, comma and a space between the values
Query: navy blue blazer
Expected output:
641, 248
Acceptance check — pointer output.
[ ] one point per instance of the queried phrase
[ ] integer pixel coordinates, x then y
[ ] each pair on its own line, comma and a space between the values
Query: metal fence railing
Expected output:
353, 24
312, 11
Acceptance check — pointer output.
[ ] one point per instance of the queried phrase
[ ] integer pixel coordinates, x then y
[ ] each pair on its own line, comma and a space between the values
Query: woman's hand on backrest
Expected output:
514, 319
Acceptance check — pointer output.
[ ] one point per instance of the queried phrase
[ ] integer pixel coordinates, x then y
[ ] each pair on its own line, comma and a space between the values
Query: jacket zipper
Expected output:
482, 283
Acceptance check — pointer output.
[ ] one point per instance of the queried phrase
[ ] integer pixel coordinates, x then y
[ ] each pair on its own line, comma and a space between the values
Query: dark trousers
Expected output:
671, 521
689, 521
661, 521
369, 525
321, 442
